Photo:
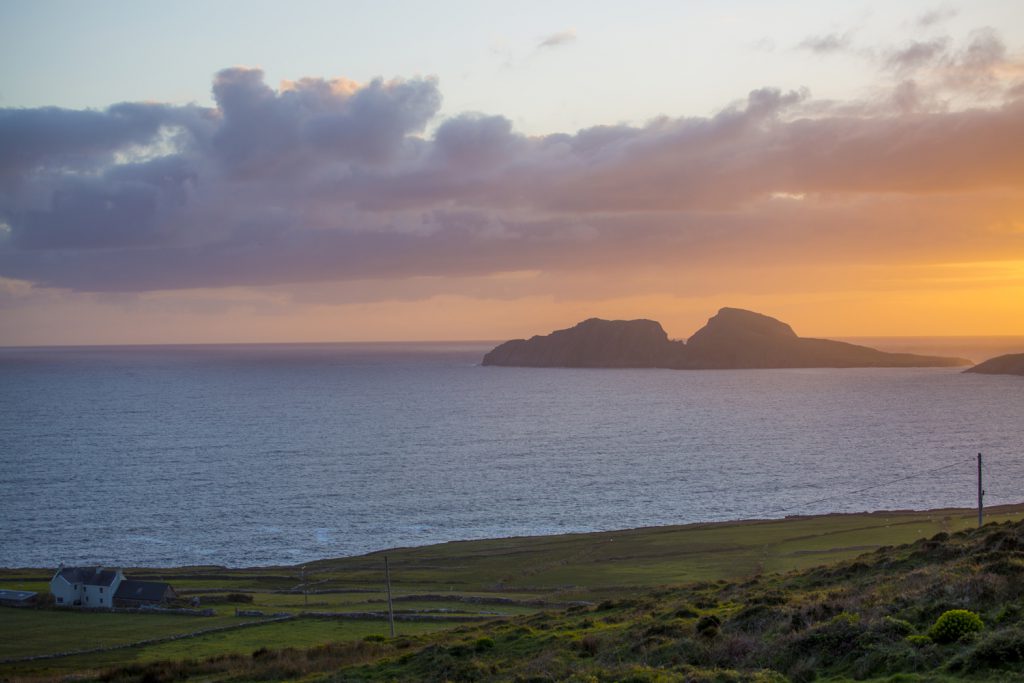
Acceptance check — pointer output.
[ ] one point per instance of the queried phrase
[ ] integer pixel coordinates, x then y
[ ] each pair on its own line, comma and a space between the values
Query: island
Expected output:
732, 339
1010, 364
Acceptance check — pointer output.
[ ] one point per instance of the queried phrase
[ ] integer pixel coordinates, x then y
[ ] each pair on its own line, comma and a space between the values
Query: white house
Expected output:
85, 586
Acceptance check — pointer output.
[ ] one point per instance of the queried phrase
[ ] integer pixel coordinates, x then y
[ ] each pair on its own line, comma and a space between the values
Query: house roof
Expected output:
90, 576
146, 591
16, 596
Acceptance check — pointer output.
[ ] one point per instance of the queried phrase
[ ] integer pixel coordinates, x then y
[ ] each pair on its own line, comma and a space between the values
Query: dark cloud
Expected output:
334, 181
54, 137
918, 54
265, 133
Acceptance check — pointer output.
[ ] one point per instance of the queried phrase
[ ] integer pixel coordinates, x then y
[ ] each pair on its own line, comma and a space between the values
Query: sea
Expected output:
259, 455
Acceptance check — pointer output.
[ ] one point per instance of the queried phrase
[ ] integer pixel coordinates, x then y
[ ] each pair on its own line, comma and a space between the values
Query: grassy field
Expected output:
460, 578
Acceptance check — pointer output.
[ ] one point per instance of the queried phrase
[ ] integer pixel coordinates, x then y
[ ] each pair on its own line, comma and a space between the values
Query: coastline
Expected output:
470, 546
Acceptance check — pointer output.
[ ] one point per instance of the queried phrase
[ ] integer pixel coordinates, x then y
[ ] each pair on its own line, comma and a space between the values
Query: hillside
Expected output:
732, 339
870, 618
696, 603
1010, 364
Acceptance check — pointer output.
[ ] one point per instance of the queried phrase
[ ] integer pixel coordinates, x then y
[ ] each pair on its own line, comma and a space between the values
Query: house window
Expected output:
60, 599
101, 591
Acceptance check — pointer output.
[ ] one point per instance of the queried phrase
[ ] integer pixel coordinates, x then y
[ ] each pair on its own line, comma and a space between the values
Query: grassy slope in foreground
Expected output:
588, 566
872, 618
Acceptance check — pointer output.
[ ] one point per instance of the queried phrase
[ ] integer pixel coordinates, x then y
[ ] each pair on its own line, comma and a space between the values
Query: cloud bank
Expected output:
334, 181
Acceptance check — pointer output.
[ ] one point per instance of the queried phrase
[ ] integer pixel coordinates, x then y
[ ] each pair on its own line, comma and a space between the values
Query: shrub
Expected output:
588, 645
708, 625
918, 640
954, 624
1009, 613
827, 643
758, 618
1001, 649
671, 629
374, 638
769, 598
897, 627
484, 644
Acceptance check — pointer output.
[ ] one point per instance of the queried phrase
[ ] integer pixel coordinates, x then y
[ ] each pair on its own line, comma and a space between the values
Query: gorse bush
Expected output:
995, 651
954, 625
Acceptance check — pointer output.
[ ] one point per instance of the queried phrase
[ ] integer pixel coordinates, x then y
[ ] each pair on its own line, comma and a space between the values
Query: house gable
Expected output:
85, 586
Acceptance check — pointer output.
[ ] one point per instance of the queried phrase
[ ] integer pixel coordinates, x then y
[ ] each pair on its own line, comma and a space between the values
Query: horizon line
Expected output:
395, 342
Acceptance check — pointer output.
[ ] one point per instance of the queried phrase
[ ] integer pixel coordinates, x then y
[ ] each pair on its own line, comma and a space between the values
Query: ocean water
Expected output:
260, 455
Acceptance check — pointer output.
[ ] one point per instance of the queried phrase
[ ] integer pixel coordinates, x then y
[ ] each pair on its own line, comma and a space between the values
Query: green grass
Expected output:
27, 632
848, 621
555, 569
301, 633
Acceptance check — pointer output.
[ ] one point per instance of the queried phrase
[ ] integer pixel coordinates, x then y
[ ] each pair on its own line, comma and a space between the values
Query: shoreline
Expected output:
995, 510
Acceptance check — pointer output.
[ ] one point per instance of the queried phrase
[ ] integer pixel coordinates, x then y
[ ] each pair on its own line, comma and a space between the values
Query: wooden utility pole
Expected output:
981, 495
391, 607
305, 587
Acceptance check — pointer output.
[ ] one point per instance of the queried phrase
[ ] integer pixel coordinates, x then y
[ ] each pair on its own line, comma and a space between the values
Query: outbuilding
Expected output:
12, 598
133, 593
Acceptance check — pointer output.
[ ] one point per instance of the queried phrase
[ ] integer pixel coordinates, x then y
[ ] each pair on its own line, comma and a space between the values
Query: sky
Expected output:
363, 171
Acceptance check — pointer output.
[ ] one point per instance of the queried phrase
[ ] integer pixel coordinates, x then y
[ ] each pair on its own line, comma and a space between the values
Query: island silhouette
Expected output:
1010, 364
732, 339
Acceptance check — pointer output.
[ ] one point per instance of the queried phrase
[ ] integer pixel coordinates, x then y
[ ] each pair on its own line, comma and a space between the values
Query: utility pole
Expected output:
391, 607
981, 495
305, 587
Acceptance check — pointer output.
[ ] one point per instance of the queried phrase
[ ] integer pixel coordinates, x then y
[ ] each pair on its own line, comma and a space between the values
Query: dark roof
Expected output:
90, 576
147, 591
16, 596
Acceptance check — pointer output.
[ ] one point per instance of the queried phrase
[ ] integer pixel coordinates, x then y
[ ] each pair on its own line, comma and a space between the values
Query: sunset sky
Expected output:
314, 171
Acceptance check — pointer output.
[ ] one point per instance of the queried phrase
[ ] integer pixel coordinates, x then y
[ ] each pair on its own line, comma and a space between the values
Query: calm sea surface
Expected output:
254, 455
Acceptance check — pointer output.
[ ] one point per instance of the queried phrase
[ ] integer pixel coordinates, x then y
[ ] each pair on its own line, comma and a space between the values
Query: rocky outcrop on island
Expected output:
593, 343
732, 339
1010, 364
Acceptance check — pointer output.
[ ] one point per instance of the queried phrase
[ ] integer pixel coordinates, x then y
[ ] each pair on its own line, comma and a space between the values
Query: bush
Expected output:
1003, 649
826, 643
588, 645
1008, 614
918, 640
758, 618
897, 627
483, 644
708, 625
954, 624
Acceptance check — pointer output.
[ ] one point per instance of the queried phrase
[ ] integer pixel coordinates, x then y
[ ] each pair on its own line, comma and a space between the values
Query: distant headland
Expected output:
1010, 364
732, 339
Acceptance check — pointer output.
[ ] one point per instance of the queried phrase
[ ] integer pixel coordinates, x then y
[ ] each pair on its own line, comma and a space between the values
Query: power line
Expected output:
862, 490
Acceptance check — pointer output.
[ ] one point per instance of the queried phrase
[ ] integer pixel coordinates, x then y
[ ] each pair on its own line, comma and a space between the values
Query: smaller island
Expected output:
1010, 364
732, 339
